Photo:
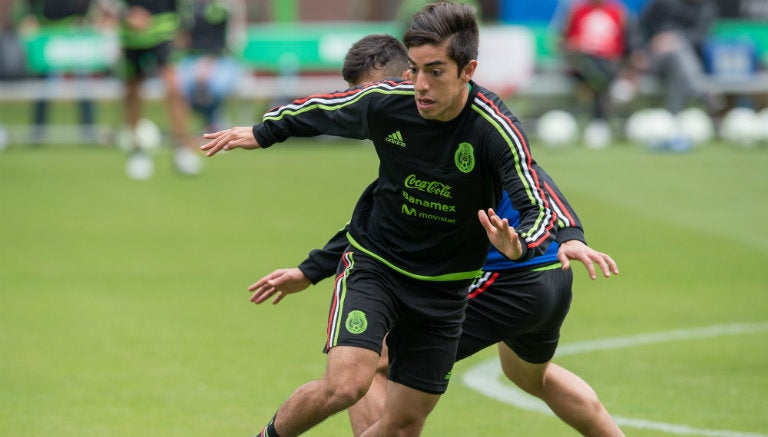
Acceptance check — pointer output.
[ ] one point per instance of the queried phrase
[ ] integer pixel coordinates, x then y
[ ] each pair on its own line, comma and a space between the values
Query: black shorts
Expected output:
140, 63
524, 309
421, 320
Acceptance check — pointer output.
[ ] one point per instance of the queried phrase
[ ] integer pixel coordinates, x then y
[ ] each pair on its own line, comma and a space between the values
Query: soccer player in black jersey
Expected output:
519, 306
209, 71
448, 149
147, 30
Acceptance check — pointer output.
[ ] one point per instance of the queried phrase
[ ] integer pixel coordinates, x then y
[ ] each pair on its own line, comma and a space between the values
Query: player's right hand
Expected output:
503, 236
233, 138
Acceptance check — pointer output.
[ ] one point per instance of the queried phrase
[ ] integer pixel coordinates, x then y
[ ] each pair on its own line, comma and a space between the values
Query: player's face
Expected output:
441, 90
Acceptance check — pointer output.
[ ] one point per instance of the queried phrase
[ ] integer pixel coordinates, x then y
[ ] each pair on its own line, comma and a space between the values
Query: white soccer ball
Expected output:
696, 125
651, 126
740, 126
662, 126
597, 135
634, 128
146, 136
762, 123
557, 128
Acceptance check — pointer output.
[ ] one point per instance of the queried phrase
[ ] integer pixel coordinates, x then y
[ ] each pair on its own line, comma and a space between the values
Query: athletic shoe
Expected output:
140, 166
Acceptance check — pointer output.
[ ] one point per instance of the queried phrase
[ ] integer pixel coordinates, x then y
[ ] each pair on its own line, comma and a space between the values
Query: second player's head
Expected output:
374, 58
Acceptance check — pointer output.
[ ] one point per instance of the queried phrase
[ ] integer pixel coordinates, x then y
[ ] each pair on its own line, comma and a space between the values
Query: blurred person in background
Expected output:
597, 38
208, 73
64, 16
148, 29
12, 56
674, 35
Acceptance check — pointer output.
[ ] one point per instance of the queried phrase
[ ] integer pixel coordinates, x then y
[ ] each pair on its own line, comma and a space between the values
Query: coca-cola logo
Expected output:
431, 187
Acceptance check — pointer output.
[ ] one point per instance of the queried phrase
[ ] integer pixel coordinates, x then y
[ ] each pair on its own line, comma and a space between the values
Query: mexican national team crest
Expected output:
356, 322
465, 157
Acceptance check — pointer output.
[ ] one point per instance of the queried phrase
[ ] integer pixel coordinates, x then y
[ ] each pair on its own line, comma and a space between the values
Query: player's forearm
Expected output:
537, 220
322, 263
329, 114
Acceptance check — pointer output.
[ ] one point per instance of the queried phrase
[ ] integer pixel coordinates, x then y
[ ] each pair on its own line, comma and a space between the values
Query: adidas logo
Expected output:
395, 138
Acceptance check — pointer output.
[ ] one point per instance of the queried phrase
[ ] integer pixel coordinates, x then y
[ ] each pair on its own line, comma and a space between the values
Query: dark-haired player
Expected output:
519, 306
447, 148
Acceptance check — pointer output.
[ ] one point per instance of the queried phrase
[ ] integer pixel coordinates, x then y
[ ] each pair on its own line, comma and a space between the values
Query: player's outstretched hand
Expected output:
501, 235
578, 251
232, 138
282, 282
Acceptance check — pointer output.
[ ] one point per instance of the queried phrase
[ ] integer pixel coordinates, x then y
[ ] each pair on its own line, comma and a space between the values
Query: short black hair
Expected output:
375, 52
436, 23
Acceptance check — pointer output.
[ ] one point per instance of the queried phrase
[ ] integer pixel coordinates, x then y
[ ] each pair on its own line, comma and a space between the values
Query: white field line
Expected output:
485, 377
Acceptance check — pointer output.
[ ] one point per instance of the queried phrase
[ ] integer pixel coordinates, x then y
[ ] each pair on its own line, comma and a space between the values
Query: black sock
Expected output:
269, 430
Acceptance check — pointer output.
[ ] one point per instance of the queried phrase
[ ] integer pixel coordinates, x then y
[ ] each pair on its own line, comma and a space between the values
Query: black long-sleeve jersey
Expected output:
433, 176
322, 263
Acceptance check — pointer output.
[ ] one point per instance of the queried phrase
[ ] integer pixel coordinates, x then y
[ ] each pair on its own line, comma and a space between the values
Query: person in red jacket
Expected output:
596, 39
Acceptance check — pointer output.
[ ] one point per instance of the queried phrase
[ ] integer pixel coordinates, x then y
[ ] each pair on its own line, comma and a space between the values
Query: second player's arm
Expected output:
570, 233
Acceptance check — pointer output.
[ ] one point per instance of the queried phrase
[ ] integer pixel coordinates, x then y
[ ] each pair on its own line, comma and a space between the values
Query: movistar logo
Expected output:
396, 138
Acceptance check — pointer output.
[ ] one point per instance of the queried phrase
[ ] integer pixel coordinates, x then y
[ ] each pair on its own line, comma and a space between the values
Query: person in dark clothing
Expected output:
518, 306
675, 32
147, 33
63, 16
447, 148
209, 71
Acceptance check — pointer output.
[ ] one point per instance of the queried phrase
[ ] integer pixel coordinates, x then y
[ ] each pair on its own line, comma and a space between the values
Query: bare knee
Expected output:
532, 384
406, 426
405, 411
530, 377
349, 374
345, 394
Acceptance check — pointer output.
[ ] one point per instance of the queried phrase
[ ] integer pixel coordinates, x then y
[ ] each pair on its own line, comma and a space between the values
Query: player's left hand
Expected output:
232, 138
281, 282
578, 251
501, 235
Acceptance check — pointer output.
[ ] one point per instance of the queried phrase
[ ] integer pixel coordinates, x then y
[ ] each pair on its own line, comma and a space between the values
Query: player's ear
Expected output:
469, 70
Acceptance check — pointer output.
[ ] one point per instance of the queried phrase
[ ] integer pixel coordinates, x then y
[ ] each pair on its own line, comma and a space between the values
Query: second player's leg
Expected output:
569, 396
406, 410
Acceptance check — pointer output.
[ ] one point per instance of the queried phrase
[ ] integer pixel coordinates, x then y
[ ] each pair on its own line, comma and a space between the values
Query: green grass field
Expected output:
124, 309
